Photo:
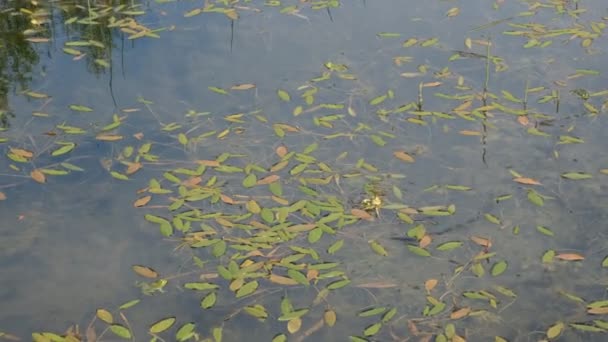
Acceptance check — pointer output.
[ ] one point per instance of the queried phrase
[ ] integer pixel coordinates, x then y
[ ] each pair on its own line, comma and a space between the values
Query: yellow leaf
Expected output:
468, 43
330, 317
244, 86
555, 330
467, 132
294, 325
109, 137
431, 84
105, 316
454, 11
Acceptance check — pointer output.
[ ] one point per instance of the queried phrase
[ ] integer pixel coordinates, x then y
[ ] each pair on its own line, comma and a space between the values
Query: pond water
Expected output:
303, 170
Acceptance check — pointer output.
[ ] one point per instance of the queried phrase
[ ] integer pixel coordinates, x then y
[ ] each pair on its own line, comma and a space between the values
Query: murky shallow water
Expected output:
68, 245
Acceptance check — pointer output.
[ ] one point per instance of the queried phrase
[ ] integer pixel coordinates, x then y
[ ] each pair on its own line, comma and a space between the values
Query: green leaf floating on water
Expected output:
121, 331
371, 312
162, 325
545, 230
209, 300
250, 180
419, 251
499, 268
67, 147
447, 246
185, 332
129, 304
372, 329
81, 108
247, 289
535, 198
576, 175
377, 248
283, 95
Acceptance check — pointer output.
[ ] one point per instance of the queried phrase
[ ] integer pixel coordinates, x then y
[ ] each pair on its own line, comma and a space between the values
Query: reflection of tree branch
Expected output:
17, 56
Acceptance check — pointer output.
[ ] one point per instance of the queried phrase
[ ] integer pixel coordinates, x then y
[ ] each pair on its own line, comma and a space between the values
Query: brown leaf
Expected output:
481, 241
243, 86
138, 136
277, 279
210, 163
38, 176
460, 313
430, 284
402, 155
268, 180
362, 214
145, 271
226, 199
140, 202
570, 256
526, 180
431, 84
133, 167
2, 196
109, 137
523, 120
413, 329
192, 181
312, 274
288, 128
22, 153
90, 334
37, 39
425, 241
281, 151
602, 310
470, 133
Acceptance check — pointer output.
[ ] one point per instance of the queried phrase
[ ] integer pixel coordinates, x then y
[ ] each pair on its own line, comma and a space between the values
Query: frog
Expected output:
374, 200
151, 288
